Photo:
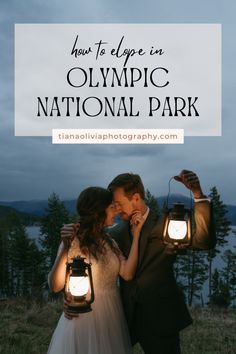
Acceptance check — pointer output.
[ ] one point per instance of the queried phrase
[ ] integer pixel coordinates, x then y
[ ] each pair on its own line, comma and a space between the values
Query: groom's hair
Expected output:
130, 182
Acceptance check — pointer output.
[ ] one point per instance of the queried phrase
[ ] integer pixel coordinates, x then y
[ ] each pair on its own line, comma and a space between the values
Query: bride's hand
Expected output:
68, 232
137, 222
69, 315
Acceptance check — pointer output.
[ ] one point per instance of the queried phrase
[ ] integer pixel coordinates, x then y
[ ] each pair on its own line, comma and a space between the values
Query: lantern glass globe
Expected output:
79, 286
177, 229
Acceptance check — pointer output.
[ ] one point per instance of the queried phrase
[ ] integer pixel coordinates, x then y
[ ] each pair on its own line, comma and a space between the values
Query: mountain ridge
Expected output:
38, 207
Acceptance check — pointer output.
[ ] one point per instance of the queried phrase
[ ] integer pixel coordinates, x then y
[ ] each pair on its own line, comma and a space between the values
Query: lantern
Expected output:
79, 286
177, 226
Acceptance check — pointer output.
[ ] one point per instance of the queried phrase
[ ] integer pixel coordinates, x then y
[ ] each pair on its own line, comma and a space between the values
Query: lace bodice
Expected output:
105, 270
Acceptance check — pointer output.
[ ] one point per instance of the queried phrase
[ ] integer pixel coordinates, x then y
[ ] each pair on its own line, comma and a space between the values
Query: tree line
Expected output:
25, 263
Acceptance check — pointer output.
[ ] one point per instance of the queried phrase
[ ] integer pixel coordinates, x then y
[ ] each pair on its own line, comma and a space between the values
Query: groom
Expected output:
153, 304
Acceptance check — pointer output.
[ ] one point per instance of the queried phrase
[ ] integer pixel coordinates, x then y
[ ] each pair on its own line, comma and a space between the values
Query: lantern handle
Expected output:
168, 195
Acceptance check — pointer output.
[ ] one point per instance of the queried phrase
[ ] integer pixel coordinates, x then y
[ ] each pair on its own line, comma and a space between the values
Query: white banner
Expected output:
118, 76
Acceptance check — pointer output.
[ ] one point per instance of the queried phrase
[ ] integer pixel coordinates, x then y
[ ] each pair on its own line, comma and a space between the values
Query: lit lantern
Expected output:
177, 226
79, 286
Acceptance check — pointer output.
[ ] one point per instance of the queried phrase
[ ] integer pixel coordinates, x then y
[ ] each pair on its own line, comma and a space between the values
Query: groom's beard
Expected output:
125, 216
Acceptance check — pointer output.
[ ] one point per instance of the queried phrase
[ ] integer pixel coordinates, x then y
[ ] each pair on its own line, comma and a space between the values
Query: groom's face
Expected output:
125, 205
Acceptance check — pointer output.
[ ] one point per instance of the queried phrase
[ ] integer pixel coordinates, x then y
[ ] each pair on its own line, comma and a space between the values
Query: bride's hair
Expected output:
91, 208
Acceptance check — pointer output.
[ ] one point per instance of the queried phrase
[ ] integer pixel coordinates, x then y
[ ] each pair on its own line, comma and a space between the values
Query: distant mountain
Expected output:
38, 207
4, 211
27, 218
232, 214
187, 202
175, 198
35, 207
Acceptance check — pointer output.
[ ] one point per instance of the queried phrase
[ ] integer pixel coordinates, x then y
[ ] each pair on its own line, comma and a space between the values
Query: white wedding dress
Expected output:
104, 329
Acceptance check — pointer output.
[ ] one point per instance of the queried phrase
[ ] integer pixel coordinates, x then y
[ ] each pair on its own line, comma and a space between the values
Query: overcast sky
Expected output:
32, 168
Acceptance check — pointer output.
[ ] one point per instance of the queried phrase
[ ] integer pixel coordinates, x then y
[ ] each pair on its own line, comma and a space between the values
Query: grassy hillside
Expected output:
26, 328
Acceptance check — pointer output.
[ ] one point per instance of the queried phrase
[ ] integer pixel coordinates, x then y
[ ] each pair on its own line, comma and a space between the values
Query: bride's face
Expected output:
110, 214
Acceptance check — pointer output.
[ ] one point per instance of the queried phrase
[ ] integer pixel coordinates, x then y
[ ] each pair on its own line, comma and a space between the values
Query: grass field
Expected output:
26, 328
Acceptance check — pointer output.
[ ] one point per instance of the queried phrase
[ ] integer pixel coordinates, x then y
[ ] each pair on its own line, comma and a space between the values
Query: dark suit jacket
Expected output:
152, 301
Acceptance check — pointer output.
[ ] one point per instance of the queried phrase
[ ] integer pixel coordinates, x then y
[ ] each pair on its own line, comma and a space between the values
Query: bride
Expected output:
103, 330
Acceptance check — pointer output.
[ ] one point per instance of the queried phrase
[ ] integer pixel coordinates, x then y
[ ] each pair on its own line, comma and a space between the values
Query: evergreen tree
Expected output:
191, 273
4, 258
18, 245
35, 270
51, 223
151, 202
20, 259
228, 273
222, 229
220, 292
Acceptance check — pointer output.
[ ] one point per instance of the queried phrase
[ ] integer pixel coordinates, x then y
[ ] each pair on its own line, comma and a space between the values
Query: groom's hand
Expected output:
191, 181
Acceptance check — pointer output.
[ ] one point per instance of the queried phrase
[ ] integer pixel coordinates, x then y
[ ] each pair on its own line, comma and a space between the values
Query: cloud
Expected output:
31, 168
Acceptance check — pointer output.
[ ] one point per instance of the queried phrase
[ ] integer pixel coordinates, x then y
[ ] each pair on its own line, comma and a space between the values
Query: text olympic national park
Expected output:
123, 77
